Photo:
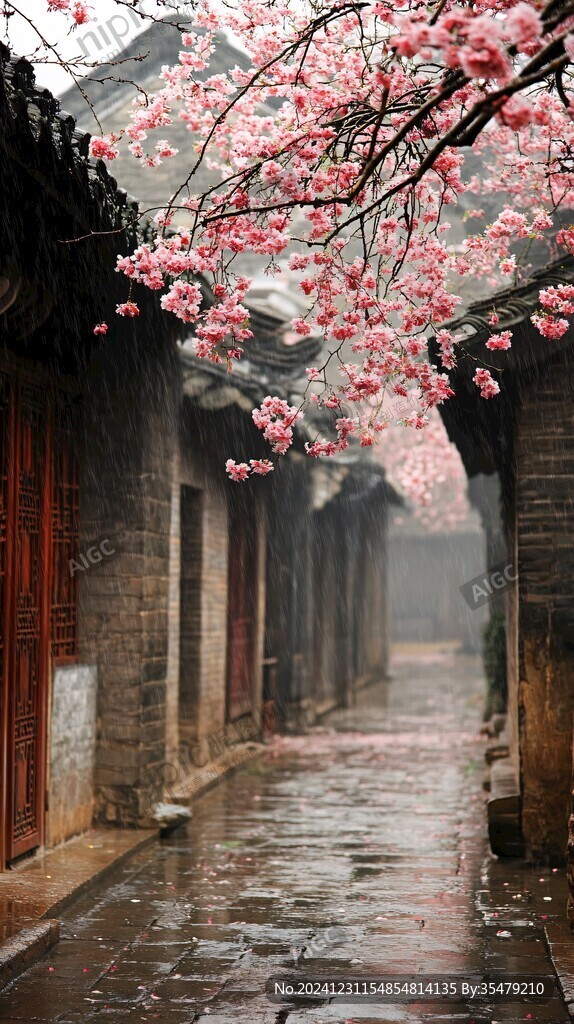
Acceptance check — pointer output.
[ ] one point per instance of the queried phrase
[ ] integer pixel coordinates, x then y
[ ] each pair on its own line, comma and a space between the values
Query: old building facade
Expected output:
147, 602
525, 436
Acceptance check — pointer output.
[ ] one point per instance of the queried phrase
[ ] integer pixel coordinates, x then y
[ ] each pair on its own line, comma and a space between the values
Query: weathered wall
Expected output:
327, 687
130, 427
511, 611
260, 601
72, 738
215, 557
172, 671
545, 543
326, 611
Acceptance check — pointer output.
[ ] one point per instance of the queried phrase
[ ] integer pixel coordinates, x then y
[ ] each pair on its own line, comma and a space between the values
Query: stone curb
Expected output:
562, 959
23, 949
98, 876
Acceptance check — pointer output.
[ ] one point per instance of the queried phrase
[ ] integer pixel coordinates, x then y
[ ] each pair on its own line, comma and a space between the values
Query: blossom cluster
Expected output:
555, 301
77, 9
276, 418
341, 148
239, 471
427, 468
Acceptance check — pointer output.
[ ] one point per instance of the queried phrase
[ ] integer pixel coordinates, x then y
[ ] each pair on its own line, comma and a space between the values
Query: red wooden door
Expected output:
27, 621
38, 536
242, 606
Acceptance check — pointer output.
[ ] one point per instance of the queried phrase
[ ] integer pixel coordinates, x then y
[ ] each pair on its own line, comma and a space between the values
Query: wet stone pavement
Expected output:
356, 849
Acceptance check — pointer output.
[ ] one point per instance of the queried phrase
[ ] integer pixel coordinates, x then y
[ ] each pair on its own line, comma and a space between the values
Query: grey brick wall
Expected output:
130, 432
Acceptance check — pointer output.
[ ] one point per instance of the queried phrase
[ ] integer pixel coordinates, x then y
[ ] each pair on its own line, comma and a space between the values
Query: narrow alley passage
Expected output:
358, 848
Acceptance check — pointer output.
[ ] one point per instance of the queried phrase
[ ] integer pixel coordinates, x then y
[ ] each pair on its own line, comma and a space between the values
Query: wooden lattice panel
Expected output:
4, 497
27, 664
65, 511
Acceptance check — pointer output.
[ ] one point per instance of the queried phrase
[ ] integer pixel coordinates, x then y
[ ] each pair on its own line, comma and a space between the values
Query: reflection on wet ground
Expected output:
356, 849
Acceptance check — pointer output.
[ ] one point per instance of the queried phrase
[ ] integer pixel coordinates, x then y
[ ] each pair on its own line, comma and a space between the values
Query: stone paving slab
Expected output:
46, 883
360, 847
36, 891
21, 950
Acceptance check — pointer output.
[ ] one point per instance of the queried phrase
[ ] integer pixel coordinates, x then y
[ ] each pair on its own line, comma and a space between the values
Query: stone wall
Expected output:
72, 739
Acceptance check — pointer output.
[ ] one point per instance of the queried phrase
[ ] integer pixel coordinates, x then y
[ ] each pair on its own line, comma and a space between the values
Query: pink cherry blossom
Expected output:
128, 309
276, 419
488, 387
102, 147
238, 471
559, 299
347, 189
261, 466
549, 326
523, 23
516, 113
500, 341
80, 12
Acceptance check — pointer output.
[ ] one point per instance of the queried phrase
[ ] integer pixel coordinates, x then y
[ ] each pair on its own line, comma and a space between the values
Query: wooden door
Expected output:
38, 537
26, 624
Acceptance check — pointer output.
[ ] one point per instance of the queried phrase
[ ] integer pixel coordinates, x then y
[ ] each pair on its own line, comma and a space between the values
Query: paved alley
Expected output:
356, 849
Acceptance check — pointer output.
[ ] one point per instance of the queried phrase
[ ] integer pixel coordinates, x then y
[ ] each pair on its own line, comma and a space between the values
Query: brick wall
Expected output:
545, 544
130, 428
511, 612
172, 671
72, 739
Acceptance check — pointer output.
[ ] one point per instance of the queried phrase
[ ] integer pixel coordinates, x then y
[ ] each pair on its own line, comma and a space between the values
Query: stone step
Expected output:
503, 809
497, 749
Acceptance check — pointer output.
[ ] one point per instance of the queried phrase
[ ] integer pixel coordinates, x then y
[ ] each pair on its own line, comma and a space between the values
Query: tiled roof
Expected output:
75, 195
513, 305
51, 192
482, 429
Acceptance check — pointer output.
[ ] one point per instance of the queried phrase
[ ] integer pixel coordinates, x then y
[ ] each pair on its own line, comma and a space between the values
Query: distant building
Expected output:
426, 571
